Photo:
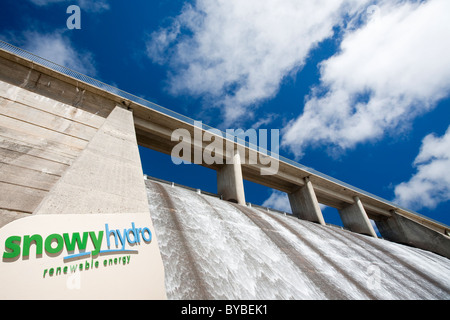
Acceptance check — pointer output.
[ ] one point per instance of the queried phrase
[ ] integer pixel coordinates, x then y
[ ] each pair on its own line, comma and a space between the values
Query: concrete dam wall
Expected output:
214, 249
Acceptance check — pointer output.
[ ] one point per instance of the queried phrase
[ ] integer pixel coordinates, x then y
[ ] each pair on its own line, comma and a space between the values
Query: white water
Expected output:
212, 249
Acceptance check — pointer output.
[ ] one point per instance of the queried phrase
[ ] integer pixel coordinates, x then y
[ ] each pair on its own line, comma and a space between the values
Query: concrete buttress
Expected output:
304, 204
230, 184
106, 177
354, 218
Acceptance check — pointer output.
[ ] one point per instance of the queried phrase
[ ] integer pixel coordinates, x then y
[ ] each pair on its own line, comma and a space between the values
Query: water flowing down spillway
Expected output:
213, 249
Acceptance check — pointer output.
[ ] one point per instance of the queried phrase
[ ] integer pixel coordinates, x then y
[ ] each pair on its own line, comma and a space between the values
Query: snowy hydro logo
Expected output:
76, 245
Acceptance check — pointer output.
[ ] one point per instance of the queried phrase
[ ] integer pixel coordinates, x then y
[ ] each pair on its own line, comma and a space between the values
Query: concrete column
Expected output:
304, 204
403, 230
107, 176
355, 218
230, 183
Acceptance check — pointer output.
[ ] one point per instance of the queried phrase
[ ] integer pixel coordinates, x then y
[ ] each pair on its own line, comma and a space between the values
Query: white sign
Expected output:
91, 256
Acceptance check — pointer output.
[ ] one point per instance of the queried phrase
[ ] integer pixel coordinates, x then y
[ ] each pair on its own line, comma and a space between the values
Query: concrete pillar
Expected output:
355, 218
107, 176
403, 230
304, 204
230, 184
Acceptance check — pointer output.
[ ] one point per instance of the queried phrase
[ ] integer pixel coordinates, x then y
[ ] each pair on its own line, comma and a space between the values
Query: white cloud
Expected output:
59, 49
268, 118
431, 184
94, 5
279, 201
388, 71
88, 5
45, 2
160, 41
237, 52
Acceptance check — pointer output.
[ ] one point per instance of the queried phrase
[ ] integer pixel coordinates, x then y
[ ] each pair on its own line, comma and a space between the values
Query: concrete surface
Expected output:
354, 218
304, 204
230, 185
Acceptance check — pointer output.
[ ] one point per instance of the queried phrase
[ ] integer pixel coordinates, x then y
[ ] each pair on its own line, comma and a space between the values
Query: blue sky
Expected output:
360, 89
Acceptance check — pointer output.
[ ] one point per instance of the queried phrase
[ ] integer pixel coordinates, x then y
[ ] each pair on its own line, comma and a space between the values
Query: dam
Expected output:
71, 169
215, 249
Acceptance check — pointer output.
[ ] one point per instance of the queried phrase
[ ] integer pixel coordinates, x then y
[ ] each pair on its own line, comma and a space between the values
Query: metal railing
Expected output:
128, 96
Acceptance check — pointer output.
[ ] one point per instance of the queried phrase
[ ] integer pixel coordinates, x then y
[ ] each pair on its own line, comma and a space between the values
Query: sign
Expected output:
91, 256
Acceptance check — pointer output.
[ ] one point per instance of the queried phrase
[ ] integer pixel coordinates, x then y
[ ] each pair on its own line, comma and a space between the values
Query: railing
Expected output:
128, 96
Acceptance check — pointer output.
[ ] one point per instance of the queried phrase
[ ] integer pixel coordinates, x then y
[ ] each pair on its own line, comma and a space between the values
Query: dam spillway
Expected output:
214, 249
